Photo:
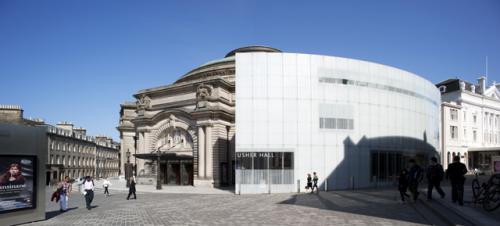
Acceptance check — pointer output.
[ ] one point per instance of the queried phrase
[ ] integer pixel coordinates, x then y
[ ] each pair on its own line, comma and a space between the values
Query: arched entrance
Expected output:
176, 161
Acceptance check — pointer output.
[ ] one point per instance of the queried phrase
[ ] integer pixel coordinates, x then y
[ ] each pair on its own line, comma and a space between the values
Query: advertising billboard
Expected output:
17, 182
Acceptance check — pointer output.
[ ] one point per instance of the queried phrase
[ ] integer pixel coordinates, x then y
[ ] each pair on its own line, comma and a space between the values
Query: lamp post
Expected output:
128, 168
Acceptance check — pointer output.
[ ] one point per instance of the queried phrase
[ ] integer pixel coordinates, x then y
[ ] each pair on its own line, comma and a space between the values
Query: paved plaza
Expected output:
327, 208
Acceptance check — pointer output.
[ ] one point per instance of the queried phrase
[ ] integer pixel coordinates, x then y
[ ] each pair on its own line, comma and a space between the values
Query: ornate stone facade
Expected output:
190, 121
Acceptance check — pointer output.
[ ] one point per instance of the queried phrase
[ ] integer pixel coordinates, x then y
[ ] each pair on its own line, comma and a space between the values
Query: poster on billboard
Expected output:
496, 164
17, 182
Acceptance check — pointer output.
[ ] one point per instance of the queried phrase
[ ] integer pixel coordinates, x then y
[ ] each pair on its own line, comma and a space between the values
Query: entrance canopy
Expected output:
484, 149
164, 156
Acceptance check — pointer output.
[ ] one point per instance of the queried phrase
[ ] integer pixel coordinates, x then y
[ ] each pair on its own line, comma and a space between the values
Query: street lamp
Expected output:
128, 168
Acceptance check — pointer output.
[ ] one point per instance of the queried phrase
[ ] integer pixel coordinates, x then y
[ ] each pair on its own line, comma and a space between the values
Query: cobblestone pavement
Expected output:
328, 208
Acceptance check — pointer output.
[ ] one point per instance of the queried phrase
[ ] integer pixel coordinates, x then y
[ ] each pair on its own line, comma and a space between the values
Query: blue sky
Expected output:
78, 60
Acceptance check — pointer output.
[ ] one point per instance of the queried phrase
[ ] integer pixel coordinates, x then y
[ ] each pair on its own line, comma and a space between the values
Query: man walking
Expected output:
106, 185
414, 178
315, 183
435, 175
131, 188
88, 187
455, 173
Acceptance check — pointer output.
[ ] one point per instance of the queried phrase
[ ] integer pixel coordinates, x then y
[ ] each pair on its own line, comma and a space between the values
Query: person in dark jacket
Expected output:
403, 184
309, 182
455, 173
131, 188
435, 174
415, 175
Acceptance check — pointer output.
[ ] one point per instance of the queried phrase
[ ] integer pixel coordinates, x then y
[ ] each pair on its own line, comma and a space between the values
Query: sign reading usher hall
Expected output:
255, 154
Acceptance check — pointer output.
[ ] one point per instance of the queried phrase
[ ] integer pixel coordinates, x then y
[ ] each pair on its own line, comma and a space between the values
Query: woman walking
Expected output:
64, 189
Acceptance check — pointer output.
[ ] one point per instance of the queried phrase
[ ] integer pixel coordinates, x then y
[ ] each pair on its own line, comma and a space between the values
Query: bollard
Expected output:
326, 184
351, 182
298, 186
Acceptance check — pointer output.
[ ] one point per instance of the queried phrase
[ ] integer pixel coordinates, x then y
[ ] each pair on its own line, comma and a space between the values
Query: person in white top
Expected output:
88, 187
106, 185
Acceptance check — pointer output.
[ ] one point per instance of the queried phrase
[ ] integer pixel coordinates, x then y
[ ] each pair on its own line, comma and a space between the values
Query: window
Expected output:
453, 114
474, 117
386, 165
474, 135
336, 123
454, 132
465, 134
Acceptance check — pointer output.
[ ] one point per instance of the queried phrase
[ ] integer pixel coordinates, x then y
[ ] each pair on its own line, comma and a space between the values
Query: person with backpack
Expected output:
435, 174
415, 175
88, 191
456, 173
403, 185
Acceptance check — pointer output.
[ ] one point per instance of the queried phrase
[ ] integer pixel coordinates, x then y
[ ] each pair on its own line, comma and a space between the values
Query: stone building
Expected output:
190, 121
470, 123
71, 151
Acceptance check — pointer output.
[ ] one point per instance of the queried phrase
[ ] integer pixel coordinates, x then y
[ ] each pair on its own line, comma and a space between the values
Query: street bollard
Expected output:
298, 186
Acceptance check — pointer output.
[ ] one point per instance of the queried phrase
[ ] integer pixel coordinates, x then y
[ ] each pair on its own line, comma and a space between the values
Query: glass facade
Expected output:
331, 112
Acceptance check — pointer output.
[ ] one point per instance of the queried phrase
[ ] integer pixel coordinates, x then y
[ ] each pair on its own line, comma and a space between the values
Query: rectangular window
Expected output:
454, 132
453, 114
336, 123
465, 134
474, 117
465, 116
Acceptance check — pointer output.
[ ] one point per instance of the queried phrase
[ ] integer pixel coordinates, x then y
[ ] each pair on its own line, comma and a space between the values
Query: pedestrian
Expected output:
435, 174
403, 185
415, 175
64, 189
456, 174
131, 188
106, 185
309, 182
315, 183
88, 191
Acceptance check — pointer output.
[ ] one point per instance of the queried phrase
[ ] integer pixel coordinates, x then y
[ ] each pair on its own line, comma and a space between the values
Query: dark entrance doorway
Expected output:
177, 172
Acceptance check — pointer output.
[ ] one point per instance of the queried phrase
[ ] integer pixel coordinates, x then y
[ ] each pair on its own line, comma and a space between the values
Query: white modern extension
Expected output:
355, 123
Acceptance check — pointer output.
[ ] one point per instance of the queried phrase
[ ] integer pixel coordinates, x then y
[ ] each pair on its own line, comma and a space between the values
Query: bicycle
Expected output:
488, 194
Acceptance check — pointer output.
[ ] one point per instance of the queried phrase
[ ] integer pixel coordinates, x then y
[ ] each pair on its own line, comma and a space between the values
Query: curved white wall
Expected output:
280, 98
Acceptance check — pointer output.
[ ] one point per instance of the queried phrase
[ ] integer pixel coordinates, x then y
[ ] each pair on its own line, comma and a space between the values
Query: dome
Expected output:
253, 49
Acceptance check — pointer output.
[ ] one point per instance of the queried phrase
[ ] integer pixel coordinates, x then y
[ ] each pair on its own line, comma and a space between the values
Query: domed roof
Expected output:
253, 49
225, 63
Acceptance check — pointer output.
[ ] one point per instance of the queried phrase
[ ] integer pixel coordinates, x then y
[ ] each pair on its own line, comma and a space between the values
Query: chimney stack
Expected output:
482, 84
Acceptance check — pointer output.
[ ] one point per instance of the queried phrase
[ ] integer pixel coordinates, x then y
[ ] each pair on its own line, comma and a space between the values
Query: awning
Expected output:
484, 149
164, 156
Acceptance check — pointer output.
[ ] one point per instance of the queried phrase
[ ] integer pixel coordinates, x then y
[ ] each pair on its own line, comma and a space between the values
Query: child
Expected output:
403, 185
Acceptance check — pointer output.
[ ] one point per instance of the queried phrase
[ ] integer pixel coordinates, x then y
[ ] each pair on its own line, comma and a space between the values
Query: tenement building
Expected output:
71, 151
471, 123
355, 123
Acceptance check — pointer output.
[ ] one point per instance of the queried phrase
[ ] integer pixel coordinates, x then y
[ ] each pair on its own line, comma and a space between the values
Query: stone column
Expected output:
201, 153
209, 152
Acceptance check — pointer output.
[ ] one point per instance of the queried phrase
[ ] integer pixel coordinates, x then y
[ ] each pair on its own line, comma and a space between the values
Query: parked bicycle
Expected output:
487, 194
